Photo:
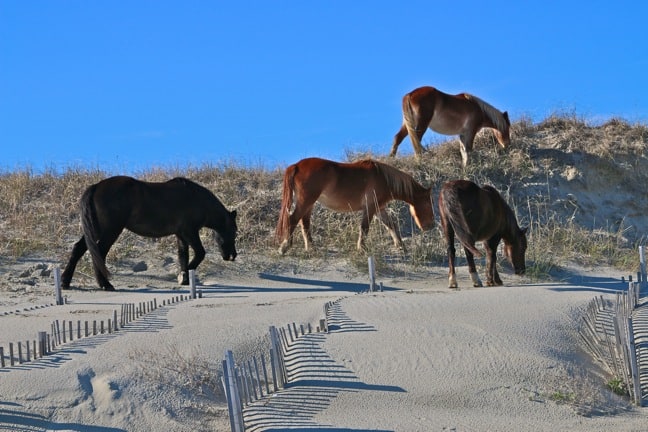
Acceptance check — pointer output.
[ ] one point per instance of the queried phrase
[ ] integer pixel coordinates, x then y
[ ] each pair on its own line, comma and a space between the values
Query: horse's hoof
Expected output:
109, 288
183, 279
479, 285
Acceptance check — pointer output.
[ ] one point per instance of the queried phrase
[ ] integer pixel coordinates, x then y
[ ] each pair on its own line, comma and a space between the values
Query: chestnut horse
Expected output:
178, 206
366, 186
476, 213
462, 114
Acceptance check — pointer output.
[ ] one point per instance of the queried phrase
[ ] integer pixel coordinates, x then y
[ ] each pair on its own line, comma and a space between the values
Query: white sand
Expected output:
416, 357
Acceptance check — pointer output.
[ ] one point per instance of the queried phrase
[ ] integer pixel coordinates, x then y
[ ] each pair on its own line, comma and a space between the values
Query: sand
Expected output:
415, 357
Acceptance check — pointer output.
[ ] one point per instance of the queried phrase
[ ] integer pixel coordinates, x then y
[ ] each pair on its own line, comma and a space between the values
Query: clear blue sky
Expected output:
129, 85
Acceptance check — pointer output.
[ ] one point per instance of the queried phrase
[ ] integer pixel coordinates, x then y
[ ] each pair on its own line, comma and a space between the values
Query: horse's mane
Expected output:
493, 114
400, 182
511, 220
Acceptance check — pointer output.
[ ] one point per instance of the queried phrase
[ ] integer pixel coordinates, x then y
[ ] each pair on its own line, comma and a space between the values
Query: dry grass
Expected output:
39, 215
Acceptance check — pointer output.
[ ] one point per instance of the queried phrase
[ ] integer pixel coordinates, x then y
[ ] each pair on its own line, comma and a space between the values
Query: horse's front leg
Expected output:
192, 240
183, 260
465, 146
472, 269
492, 275
184, 242
78, 250
389, 223
367, 215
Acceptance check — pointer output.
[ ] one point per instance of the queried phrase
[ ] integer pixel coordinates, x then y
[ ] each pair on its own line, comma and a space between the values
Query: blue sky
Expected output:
131, 85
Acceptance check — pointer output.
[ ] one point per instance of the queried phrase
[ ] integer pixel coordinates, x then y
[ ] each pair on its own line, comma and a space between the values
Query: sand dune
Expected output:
415, 357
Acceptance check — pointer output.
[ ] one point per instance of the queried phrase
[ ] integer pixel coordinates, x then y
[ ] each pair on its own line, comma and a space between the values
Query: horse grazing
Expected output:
476, 213
462, 114
365, 186
178, 206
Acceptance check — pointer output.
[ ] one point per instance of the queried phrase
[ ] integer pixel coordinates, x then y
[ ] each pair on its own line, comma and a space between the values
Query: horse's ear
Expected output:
507, 118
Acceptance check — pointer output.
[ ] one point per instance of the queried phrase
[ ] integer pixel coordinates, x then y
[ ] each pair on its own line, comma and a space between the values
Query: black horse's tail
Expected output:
454, 214
90, 230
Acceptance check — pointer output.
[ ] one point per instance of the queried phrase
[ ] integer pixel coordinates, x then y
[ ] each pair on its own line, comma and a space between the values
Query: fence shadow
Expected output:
152, 322
314, 381
640, 321
12, 418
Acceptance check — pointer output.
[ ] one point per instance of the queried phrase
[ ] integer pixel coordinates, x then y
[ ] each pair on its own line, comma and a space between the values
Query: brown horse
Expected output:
462, 114
365, 186
178, 206
476, 213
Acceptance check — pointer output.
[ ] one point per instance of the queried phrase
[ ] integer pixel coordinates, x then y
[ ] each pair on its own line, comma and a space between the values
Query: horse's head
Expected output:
226, 237
422, 211
502, 131
515, 250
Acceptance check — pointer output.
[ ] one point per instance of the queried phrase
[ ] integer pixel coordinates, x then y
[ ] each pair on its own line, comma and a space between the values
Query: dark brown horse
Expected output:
462, 114
178, 206
476, 213
365, 186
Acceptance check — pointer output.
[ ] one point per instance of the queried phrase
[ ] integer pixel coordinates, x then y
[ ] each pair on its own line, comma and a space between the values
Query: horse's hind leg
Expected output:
305, 228
78, 250
286, 243
416, 135
452, 274
105, 243
472, 269
398, 138
298, 216
367, 215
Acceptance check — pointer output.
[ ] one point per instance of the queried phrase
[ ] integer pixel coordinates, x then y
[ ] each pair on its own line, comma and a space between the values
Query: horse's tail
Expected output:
283, 225
412, 124
90, 230
456, 217
408, 112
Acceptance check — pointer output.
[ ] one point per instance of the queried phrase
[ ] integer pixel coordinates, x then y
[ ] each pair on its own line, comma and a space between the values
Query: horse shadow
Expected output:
573, 281
306, 285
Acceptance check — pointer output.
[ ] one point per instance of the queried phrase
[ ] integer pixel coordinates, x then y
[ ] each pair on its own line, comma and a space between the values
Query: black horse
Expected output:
178, 206
474, 214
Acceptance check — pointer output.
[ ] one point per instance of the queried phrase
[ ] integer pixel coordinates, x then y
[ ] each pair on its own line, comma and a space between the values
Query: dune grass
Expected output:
39, 211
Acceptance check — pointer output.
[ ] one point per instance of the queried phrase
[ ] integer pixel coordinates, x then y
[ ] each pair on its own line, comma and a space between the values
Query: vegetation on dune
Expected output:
579, 187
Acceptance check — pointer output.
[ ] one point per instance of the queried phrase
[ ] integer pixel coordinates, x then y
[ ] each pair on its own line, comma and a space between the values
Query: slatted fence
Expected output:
247, 381
609, 332
65, 331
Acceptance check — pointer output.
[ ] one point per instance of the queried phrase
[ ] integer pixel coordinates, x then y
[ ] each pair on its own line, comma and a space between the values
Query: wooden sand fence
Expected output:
64, 331
609, 332
248, 381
